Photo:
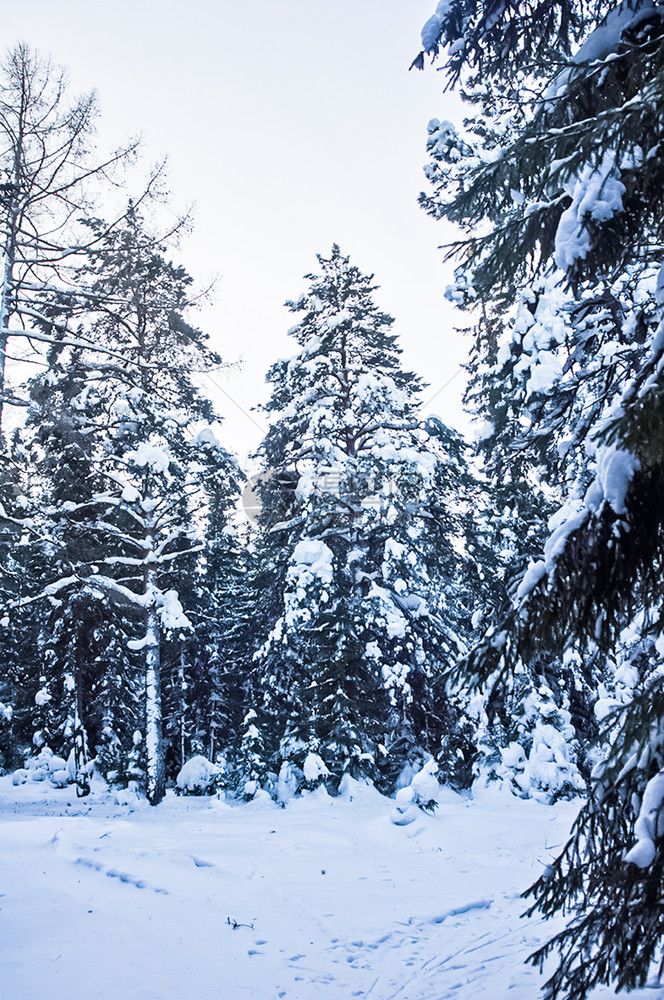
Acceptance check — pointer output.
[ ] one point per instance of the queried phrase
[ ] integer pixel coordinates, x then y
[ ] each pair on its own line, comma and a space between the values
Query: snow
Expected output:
42, 697
206, 438
548, 768
642, 854
649, 825
106, 897
431, 29
171, 612
603, 708
513, 755
405, 809
615, 469
197, 776
596, 194
567, 519
130, 494
659, 288
314, 768
541, 763
535, 572
603, 42
312, 559
287, 782
391, 618
425, 784
424, 791
149, 454
46, 766
430, 32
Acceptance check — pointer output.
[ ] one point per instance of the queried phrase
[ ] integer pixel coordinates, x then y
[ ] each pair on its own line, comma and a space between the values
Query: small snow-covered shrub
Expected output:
548, 770
198, 777
250, 765
536, 756
405, 810
6, 716
426, 787
303, 769
315, 771
249, 789
458, 750
423, 793
288, 782
45, 766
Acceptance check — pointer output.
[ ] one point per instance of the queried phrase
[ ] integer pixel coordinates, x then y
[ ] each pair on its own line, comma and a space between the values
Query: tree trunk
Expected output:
7, 278
156, 772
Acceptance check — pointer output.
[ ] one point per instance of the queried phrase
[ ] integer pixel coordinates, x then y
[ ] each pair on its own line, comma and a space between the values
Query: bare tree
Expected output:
48, 180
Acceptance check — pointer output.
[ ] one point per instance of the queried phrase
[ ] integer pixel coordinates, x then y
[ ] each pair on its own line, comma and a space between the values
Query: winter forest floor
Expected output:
105, 897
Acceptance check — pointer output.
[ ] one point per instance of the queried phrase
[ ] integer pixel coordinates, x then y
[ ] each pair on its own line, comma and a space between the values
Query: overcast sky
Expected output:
291, 124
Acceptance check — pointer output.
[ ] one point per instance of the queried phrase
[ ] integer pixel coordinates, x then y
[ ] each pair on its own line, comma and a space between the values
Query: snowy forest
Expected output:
378, 600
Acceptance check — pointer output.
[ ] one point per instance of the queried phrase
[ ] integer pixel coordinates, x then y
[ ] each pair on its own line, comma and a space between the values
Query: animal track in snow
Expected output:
114, 873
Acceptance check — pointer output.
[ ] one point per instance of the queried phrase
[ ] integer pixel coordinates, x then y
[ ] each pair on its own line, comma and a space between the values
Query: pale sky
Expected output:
291, 124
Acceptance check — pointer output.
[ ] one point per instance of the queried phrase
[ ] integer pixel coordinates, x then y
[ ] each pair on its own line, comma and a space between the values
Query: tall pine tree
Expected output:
557, 182
361, 520
128, 465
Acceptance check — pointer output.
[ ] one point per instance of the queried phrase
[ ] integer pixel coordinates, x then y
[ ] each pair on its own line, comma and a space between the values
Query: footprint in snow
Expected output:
480, 904
201, 862
125, 877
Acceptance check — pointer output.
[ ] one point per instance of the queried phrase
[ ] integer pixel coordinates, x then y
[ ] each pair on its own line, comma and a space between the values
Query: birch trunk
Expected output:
156, 774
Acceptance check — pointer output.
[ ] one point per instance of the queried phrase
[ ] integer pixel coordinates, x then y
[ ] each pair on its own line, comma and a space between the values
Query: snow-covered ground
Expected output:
327, 899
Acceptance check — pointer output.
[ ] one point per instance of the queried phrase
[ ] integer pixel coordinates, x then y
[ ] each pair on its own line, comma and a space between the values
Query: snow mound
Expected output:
198, 777
357, 790
46, 766
315, 769
405, 810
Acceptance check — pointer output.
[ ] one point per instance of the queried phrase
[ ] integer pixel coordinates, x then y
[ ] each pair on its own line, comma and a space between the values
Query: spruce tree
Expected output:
126, 491
205, 674
23, 549
359, 532
557, 184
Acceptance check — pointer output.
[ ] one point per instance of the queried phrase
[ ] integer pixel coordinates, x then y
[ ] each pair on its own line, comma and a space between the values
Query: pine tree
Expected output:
358, 535
206, 673
129, 502
569, 215
23, 548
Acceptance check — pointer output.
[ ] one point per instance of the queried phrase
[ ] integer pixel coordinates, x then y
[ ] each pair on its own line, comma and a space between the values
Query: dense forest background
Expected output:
399, 599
